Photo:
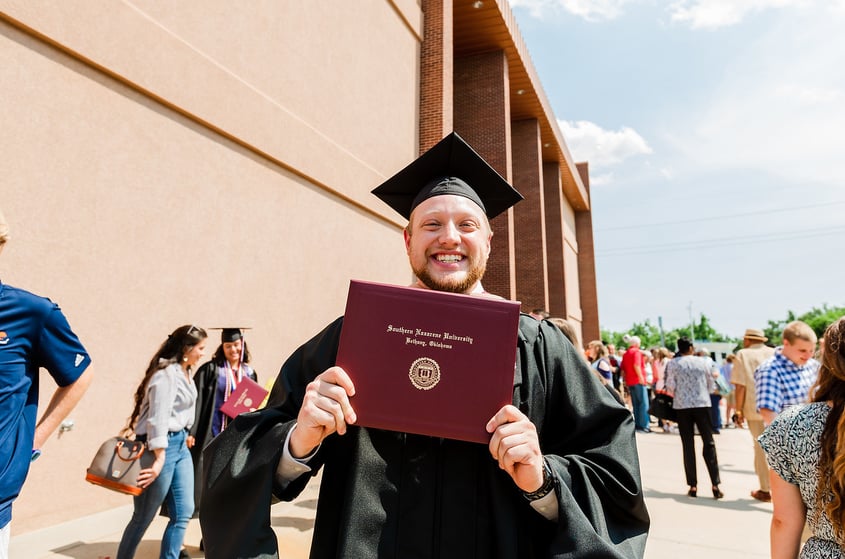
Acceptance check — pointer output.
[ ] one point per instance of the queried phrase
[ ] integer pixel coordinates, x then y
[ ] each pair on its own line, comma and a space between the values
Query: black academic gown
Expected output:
205, 379
392, 495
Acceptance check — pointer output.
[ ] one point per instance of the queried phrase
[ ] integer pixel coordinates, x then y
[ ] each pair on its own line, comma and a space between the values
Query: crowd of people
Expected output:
790, 397
560, 475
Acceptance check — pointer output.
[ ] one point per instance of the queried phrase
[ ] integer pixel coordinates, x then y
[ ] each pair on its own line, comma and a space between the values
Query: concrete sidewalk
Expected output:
97, 536
736, 527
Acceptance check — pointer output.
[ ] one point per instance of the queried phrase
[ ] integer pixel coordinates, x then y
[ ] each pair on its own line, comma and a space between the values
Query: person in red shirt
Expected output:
634, 375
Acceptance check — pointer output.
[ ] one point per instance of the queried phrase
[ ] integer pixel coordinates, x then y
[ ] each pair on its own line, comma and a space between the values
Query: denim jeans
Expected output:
716, 412
175, 484
639, 401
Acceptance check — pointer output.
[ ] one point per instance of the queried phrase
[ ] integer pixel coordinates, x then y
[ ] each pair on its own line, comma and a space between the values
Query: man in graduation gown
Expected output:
559, 478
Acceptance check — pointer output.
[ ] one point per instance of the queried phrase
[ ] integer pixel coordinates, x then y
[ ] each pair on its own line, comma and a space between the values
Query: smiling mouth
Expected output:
449, 258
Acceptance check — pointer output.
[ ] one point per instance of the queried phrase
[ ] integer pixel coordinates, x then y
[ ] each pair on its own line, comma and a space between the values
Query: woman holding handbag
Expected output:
667, 415
163, 413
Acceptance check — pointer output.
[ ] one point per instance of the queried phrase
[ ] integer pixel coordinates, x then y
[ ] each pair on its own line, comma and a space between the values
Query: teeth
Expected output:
449, 258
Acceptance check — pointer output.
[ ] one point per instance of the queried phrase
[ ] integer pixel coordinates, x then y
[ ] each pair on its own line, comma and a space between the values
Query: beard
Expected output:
450, 284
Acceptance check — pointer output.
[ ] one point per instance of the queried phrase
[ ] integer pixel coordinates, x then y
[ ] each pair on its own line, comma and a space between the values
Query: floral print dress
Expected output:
793, 449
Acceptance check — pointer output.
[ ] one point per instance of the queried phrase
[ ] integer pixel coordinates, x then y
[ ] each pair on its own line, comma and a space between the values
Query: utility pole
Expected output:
691, 323
662, 337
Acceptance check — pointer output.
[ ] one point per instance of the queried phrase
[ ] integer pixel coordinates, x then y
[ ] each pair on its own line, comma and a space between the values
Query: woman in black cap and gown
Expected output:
215, 381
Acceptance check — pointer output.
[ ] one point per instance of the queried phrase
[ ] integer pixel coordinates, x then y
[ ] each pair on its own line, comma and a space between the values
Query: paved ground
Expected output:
703, 528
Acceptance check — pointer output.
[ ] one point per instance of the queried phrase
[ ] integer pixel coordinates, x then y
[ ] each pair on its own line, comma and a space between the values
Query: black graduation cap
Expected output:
231, 334
450, 167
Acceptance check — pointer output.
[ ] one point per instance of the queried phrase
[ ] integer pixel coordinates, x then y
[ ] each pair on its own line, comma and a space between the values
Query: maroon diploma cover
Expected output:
247, 396
428, 362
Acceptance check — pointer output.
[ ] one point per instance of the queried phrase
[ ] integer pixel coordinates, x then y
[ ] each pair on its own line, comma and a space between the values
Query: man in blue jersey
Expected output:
33, 334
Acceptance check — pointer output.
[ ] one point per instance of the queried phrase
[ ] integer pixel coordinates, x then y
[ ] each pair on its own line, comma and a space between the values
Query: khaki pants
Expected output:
761, 468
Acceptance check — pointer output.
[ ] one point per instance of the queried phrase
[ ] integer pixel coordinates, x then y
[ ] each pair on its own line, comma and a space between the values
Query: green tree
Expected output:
820, 319
817, 318
673, 335
611, 337
774, 329
649, 334
705, 332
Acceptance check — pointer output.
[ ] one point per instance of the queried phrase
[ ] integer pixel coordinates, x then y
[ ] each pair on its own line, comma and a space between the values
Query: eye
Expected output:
430, 224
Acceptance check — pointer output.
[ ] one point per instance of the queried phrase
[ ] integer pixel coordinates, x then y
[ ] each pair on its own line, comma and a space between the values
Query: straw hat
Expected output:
754, 334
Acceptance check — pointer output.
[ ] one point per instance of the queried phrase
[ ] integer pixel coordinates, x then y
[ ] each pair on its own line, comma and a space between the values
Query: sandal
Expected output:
761, 495
693, 492
717, 493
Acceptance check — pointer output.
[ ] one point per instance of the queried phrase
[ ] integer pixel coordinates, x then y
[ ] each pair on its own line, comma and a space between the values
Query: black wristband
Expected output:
546, 488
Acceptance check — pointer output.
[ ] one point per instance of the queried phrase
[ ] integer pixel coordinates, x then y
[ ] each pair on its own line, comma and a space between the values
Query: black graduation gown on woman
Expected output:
206, 380
392, 495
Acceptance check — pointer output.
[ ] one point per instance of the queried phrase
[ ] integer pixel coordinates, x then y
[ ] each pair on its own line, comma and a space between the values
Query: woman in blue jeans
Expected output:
164, 411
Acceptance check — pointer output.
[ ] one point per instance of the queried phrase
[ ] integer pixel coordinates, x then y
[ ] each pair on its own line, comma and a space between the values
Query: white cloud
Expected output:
780, 107
809, 96
591, 10
712, 14
698, 14
600, 180
602, 148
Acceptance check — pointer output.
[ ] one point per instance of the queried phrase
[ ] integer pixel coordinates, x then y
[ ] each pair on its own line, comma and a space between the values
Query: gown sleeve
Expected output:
205, 380
588, 438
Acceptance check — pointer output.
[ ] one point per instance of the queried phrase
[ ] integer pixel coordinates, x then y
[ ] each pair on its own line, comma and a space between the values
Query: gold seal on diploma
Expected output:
425, 373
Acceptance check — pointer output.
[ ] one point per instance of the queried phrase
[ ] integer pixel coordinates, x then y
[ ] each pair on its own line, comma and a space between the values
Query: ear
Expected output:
407, 237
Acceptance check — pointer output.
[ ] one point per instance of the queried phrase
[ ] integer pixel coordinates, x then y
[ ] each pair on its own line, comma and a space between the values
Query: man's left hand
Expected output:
516, 447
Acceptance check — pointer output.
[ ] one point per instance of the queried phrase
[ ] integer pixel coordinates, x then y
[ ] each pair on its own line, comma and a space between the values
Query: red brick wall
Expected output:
481, 114
590, 329
553, 202
529, 216
436, 73
470, 95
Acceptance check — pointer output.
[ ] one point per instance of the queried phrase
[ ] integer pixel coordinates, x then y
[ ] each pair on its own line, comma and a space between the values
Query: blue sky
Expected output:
714, 133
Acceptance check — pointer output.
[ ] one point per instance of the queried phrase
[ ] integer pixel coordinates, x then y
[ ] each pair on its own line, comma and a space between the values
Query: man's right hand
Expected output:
325, 410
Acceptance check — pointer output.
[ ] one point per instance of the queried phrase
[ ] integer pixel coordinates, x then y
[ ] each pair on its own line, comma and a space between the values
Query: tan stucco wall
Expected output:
173, 169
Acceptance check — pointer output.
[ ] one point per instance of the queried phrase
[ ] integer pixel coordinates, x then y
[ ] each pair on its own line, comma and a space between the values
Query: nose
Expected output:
449, 235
